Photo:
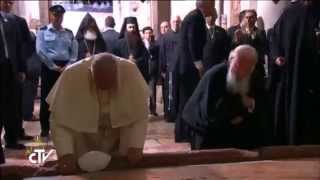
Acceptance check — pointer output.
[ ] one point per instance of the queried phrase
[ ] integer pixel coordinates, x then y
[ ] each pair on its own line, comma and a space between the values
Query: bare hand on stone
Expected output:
237, 120
67, 164
134, 155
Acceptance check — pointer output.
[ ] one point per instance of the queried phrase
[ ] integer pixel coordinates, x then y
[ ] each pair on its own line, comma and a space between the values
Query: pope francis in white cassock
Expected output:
98, 105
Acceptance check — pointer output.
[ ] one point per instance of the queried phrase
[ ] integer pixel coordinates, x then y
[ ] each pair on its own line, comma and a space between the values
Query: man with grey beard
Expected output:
225, 111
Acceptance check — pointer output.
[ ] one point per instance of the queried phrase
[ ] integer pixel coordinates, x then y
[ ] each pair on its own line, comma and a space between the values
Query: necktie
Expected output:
4, 47
211, 33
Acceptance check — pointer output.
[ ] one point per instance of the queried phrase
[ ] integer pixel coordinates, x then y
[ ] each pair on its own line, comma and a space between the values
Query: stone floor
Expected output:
303, 169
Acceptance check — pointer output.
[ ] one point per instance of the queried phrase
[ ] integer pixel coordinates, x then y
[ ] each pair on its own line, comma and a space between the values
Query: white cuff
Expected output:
198, 64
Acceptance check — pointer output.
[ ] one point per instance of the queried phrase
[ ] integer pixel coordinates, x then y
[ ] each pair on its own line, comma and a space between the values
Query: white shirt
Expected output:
3, 36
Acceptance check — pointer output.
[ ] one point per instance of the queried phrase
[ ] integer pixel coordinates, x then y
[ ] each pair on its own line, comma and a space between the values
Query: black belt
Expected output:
61, 62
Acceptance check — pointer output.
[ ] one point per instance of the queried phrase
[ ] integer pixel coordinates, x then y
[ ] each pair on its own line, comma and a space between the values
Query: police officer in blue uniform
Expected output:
57, 48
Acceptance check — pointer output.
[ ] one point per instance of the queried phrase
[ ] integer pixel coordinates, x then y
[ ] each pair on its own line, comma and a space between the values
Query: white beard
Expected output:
235, 86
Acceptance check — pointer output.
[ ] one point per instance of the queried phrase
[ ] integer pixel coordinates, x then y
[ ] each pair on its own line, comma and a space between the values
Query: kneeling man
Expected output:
226, 110
99, 104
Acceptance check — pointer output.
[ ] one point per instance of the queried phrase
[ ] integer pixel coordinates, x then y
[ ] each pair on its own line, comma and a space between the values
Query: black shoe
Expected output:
16, 146
26, 137
154, 114
44, 134
33, 118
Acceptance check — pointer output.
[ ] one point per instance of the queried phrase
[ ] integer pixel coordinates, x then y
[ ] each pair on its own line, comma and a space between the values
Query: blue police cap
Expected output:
57, 9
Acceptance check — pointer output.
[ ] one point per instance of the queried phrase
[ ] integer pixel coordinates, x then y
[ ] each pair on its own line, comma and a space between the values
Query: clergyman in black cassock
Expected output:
167, 55
90, 40
297, 85
130, 45
212, 110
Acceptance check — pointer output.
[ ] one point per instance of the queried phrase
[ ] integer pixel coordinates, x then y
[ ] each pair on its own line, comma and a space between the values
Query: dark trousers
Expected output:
48, 79
28, 96
19, 117
186, 85
164, 95
8, 105
153, 96
170, 96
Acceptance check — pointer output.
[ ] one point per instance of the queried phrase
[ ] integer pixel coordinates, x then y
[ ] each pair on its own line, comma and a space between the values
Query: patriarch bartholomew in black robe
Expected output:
223, 111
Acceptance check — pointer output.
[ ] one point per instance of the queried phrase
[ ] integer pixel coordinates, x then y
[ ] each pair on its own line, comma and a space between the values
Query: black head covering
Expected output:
129, 20
57, 9
86, 22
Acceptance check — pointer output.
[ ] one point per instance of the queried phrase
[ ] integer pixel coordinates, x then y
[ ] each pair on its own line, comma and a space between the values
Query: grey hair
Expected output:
245, 51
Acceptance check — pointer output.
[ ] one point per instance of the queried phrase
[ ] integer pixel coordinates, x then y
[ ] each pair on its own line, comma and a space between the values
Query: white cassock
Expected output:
85, 119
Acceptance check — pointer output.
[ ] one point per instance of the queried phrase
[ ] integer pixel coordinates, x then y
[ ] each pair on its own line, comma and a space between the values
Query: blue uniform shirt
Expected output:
56, 45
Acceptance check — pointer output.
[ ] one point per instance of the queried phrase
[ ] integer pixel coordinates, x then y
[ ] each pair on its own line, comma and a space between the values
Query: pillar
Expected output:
270, 11
160, 11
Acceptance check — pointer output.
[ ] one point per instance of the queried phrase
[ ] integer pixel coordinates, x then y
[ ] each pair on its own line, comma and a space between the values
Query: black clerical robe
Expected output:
211, 108
190, 50
168, 53
86, 47
297, 86
140, 54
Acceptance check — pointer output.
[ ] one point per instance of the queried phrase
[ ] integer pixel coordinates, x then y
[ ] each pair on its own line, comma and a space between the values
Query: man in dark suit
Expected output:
153, 61
26, 53
218, 44
12, 70
190, 49
232, 29
110, 36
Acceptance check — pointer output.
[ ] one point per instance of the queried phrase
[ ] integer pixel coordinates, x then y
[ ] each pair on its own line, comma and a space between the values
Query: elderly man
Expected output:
167, 54
164, 27
224, 110
99, 117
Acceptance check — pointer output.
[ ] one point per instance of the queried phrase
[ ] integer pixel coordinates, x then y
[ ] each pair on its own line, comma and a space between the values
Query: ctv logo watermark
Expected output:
39, 156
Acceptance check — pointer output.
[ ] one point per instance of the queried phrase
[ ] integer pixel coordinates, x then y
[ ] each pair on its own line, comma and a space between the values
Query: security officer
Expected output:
57, 48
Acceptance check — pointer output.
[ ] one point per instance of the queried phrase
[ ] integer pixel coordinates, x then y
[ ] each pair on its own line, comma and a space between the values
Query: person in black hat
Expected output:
131, 46
57, 48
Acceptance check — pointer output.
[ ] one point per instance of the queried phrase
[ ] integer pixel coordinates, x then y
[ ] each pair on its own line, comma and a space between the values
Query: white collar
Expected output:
3, 15
109, 28
50, 26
